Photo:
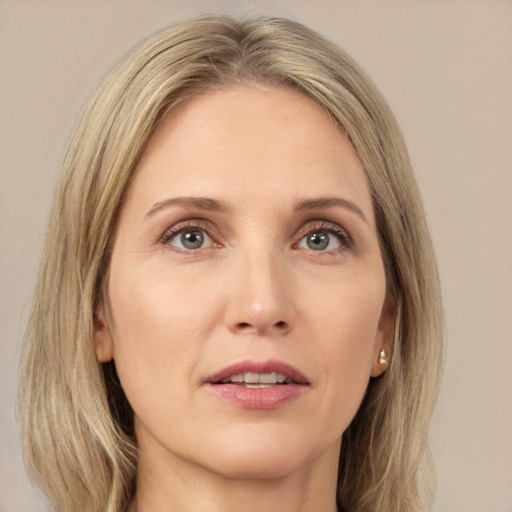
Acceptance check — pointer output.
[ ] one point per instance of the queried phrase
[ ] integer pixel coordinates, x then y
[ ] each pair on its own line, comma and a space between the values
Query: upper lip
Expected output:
269, 366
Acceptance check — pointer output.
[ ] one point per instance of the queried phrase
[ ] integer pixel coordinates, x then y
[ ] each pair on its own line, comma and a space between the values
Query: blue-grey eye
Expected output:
190, 239
320, 241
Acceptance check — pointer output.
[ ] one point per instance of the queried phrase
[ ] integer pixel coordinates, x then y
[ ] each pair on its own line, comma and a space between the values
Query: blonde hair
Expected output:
77, 435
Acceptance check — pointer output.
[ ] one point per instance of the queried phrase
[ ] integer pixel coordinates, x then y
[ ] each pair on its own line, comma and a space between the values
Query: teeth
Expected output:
255, 379
272, 378
252, 378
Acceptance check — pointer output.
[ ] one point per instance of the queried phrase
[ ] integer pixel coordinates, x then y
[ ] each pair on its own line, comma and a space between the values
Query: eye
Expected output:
319, 241
188, 238
326, 237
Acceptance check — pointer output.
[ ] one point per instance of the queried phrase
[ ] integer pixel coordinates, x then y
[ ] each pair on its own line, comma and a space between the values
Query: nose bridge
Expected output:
260, 299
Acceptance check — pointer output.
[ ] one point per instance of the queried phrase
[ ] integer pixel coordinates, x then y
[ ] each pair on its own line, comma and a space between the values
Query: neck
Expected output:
186, 487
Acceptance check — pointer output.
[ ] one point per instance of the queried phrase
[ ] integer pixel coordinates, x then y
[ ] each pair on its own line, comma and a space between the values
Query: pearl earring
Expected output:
382, 357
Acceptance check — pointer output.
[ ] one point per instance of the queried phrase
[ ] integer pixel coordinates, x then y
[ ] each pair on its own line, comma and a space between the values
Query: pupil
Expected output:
192, 239
318, 241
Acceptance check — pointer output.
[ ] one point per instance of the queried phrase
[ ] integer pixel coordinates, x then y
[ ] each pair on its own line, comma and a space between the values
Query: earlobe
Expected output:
384, 340
102, 337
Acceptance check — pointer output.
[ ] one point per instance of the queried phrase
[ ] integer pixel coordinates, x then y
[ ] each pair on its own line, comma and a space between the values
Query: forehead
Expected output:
249, 143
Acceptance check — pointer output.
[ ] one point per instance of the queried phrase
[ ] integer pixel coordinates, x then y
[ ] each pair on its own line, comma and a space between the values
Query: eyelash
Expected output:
190, 225
341, 234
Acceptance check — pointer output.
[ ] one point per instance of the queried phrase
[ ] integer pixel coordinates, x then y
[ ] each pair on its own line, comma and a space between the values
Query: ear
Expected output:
383, 345
102, 337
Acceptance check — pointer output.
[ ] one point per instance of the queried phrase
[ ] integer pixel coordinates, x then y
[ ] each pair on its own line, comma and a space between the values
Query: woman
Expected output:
238, 304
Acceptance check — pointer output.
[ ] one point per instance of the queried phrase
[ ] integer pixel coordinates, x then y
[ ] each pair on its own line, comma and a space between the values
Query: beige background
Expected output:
445, 67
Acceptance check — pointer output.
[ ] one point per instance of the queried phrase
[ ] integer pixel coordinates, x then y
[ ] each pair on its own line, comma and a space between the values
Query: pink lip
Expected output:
259, 398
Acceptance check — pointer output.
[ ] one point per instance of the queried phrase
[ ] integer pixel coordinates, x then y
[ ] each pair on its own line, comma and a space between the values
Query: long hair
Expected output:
77, 425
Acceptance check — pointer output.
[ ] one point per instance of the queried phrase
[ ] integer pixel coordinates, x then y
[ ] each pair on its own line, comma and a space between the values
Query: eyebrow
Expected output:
328, 202
208, 204
200, 203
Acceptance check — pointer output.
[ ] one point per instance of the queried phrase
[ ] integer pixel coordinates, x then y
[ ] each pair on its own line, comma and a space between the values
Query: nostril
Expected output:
246, 326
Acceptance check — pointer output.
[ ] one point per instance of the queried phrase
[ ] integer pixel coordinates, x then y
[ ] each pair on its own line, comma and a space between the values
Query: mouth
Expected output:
259, 374
257, 380
258, 385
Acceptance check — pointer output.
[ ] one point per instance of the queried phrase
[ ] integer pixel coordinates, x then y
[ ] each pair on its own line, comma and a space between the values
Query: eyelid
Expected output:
190, 224
332, 227
212, 232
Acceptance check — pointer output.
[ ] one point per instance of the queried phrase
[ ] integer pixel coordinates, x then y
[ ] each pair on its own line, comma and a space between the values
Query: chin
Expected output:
264, 456
247, 466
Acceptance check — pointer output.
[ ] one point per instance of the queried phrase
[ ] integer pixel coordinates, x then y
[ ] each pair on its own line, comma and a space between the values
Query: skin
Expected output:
255, 290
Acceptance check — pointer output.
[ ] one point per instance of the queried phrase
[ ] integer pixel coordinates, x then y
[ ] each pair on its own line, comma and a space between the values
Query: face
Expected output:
246, 287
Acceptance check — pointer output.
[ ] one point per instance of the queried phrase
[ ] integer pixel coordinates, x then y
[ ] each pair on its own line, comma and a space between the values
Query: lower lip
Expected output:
259, 398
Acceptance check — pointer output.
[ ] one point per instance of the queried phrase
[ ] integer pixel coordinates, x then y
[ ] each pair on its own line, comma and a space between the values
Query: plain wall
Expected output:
446, 69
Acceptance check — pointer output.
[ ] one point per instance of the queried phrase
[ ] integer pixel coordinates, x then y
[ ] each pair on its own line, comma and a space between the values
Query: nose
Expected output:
260, 297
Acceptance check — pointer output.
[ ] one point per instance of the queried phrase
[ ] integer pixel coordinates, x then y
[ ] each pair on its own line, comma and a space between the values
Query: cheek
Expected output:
158, 325
154, 305
347, 322
348, 310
